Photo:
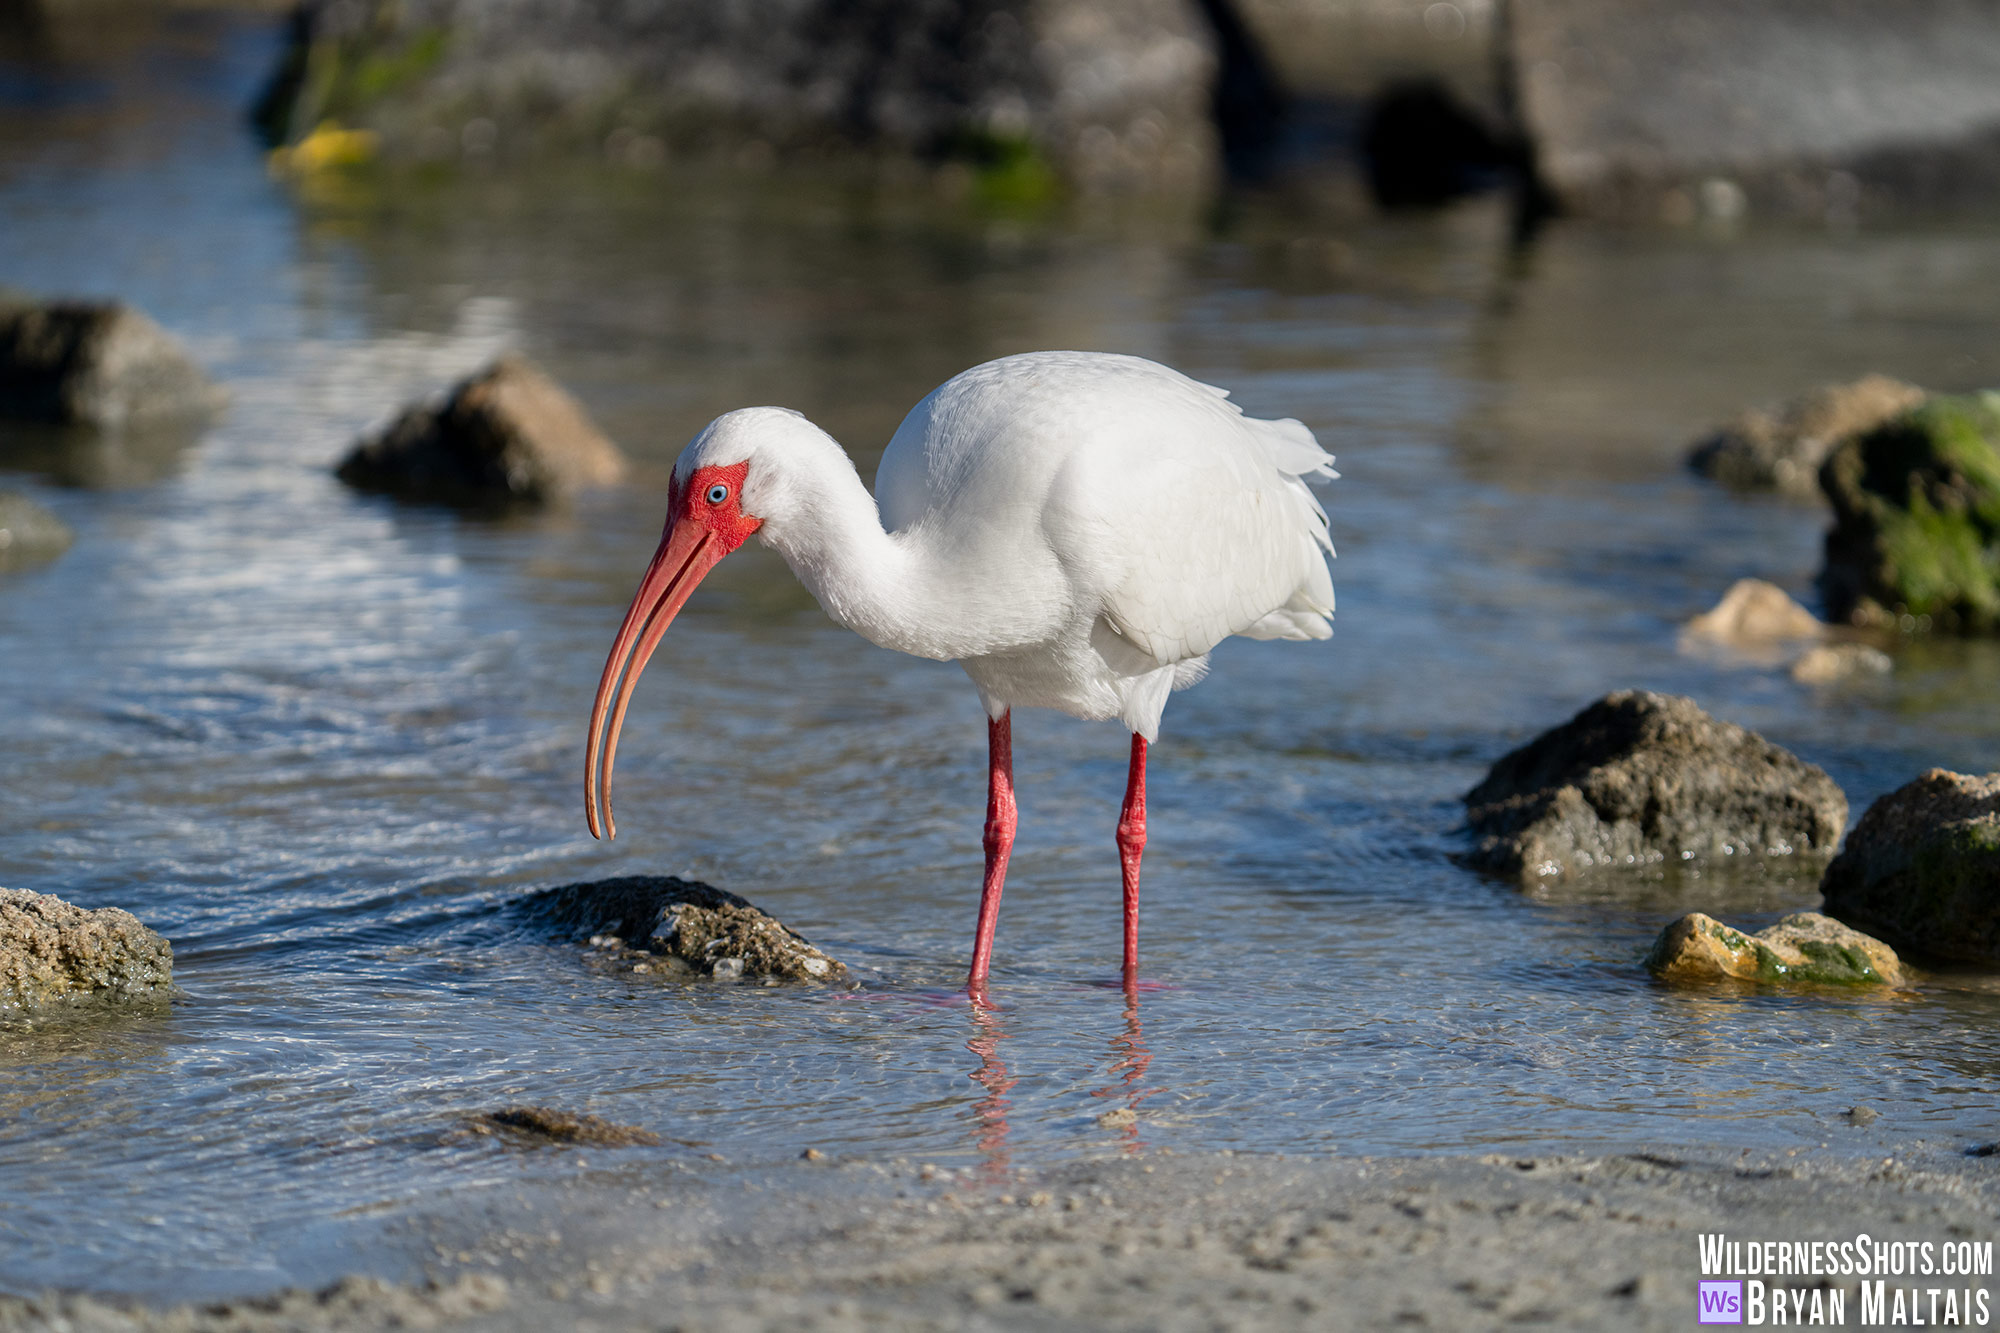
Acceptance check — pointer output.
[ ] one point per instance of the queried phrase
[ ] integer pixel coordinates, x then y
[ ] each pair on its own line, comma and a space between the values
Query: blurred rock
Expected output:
29, 533
1923, 867
1915, 542
95, 363
1643, 779
1783, 450
551, 1125
1803, 948
53, 953
1710, 107
1111, 92
508, 435
1828, 663
1754, 614
642, 917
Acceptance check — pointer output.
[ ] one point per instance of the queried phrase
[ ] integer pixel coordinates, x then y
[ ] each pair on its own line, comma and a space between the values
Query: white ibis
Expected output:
1076, 529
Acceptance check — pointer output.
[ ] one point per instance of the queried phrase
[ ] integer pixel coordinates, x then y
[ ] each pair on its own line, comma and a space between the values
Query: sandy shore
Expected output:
1158, 1241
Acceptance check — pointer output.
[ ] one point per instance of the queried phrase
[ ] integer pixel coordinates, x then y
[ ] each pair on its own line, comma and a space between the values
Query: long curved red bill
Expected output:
687, 552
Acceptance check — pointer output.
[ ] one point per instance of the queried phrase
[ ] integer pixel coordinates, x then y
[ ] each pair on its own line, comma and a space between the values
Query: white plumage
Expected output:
1077, 530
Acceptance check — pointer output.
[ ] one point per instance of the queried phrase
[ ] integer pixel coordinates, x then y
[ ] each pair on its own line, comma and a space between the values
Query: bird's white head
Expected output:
730, 482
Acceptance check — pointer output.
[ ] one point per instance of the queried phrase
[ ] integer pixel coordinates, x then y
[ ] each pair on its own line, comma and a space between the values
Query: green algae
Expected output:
1917, 519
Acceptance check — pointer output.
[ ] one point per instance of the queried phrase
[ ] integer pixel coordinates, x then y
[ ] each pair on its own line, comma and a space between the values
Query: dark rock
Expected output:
29, 534
1783, 449
544, 1122
1639, 779
1804, 948
97, 364
54, 953
507, 436
1915, 540
1923, 867
1109, 91
705, 928
1814, 107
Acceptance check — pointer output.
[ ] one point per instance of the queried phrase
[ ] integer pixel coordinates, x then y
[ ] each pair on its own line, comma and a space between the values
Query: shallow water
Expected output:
319, 740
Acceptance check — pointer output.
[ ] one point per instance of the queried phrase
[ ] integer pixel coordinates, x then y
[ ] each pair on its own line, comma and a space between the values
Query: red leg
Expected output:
1000, 822
1132, 845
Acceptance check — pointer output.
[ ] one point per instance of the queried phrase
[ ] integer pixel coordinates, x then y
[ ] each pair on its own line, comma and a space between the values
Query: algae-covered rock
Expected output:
29, 533
508, 435
1640, 779
1916, 520
1804, 948
95, 363
1783, 449
685, 922
1923, 867
52, 952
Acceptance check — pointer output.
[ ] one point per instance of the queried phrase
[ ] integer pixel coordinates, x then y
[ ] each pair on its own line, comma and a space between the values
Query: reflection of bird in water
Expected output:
1126, 1071
1077, 530
992, 1075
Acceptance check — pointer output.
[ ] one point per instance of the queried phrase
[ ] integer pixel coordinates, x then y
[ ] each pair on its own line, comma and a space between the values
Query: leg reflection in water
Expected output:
991, 1110
1128, 1068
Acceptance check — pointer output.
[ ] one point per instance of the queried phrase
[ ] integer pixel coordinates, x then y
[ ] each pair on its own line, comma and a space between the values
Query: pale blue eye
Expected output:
717, 494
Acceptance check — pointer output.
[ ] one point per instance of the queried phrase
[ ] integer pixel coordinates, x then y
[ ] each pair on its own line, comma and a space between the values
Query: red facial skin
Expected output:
705, 521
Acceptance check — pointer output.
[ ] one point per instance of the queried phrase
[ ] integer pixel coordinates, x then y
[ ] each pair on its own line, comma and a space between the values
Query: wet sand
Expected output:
1152, 1241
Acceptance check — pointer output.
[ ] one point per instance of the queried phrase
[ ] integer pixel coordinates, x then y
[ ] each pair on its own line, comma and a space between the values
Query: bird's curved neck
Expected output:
864, 577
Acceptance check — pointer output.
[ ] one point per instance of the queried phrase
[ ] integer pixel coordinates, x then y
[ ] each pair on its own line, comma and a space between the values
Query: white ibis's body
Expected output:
1077, 530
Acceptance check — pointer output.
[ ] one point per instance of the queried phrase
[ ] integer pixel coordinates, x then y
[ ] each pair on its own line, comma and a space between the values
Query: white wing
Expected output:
1206, 518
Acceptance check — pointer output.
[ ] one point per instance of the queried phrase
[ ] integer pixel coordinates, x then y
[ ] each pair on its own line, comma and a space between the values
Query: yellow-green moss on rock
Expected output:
1803, 949
1916, 533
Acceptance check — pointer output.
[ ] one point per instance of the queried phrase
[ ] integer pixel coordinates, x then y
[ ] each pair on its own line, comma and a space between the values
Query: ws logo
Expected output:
1719, 1302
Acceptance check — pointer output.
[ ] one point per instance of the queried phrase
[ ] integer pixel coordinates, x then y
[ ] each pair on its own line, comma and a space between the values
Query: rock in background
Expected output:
1915, 541
29, 533
1109, 92
1804, 948
95, 363
1642, 779
1782, 450
1651, 109
52, 952
508, 435
1923, 867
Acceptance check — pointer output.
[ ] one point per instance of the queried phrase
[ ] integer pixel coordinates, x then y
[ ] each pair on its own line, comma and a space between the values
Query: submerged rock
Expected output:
1803, 948
95, 363
545, 1122
29, 533
1923, 867
1783, 449
1827, 663
684, 922
507, 435
52, 952
1915, 540
1639, 778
